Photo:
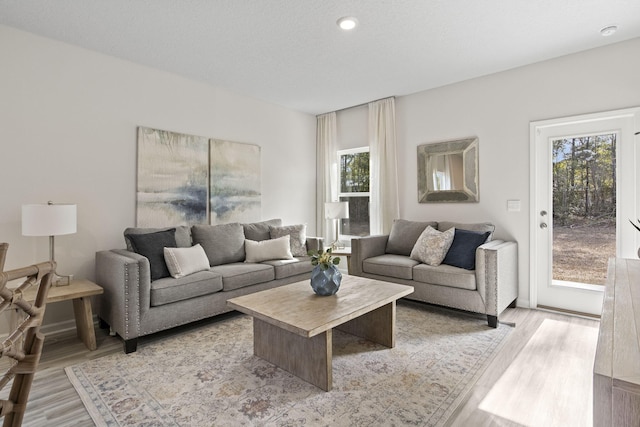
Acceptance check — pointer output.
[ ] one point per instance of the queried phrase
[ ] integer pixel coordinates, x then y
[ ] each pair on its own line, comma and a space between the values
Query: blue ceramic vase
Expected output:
325, 282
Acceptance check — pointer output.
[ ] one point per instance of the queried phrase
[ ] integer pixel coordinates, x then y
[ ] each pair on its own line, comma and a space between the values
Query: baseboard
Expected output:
524, 303
568, 312
58, 329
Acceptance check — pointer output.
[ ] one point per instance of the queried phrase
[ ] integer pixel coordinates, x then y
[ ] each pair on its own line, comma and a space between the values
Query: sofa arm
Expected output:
126, 280
497, 275
315, 243
366, 247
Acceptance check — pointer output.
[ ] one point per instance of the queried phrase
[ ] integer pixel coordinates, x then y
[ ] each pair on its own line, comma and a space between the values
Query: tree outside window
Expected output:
354, 188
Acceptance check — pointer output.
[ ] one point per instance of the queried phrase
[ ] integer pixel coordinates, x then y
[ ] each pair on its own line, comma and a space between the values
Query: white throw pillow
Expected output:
266, 250
183, 261
432, 245
297, 234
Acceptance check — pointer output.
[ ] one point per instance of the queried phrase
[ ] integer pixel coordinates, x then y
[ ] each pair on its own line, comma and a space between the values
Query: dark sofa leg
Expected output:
513, 304
102, 324
493, 321
130, 345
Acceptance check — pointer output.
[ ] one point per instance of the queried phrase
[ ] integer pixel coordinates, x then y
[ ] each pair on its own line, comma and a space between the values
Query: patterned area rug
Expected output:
209, 376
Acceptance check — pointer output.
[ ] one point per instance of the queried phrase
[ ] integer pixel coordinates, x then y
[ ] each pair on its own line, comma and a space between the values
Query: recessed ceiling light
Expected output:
608, 30
347, 23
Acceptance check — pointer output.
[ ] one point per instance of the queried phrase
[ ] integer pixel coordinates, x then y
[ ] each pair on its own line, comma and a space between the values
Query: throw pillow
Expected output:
297, 235
222, 243
183, 235
185, 261
432, 246
259, 231
404, 234
151, 246
481, 227
462, 252
266, 250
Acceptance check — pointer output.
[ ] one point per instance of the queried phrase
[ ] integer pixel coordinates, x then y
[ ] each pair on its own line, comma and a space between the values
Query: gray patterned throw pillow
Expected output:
432, 246
297, 235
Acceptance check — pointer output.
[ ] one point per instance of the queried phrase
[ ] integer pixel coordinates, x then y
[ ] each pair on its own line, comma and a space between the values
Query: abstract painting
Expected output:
172, 178
235, 194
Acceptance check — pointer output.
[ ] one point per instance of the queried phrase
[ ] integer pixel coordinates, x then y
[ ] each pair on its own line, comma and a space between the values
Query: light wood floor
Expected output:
527, 376
54, 402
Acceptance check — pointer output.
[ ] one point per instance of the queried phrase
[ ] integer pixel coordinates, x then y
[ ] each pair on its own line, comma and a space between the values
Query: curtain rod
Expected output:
358, 105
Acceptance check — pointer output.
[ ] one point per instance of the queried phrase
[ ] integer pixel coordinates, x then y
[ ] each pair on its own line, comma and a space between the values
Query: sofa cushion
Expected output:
240, 275
183, 235
390, 265
445, 275
432, 245
291, 267
297, 235
479, 226
267, 249
184, 261
462, 252
151, 246
168, 290
259, 231
222, 243
404, 234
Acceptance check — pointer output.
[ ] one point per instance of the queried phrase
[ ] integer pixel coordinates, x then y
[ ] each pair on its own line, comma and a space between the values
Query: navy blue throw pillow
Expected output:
462, 252
151, 246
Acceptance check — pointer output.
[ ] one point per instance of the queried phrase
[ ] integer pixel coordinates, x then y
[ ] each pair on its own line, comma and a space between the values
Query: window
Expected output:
354, 188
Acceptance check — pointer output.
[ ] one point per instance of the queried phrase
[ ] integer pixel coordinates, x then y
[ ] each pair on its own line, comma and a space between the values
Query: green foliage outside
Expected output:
354, 178
584, 179
354, 173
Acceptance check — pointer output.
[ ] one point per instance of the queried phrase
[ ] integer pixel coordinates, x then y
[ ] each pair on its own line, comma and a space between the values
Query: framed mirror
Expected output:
448, 171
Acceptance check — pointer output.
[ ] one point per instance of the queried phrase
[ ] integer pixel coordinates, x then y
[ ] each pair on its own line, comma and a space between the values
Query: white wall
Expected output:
498, 109
68, 119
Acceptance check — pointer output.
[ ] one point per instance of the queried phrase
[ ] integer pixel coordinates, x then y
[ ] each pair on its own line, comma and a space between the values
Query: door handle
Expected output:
543, 225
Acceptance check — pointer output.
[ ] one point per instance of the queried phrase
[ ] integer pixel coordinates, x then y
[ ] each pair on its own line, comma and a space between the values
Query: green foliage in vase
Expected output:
323, 258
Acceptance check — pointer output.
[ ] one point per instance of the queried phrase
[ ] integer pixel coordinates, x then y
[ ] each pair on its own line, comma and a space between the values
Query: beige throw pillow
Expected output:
432, 245
184, 261
266, 250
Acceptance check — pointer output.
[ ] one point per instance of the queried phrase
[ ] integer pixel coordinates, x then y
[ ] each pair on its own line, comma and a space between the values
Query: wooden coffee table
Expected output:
292, 326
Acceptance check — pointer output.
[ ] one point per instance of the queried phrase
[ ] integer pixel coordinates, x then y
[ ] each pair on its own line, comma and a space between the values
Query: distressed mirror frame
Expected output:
468, 147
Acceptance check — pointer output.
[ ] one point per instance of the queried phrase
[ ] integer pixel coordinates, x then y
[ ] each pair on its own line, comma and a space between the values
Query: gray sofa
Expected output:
134, 305
488, 287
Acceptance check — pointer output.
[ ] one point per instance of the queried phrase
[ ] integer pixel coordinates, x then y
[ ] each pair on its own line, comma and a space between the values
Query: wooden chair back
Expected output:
24, 343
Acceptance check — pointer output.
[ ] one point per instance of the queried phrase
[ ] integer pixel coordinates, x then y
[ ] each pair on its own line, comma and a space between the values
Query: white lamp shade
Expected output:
336, 210
48, 220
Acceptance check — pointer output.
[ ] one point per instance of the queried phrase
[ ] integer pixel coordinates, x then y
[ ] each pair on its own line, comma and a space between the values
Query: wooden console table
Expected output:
616, 371
80, 292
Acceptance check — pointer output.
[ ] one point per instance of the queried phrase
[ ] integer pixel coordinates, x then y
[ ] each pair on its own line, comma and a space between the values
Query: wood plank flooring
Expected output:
560, 399
54, 402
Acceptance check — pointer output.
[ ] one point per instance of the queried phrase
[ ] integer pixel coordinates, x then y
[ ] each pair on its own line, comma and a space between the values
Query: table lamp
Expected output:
336, 211
50, 220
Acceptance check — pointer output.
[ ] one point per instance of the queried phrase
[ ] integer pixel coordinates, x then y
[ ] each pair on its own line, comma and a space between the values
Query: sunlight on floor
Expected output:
550, 381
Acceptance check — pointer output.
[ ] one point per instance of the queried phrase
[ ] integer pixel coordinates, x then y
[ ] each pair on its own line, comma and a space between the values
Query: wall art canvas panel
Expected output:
173, 178
235, 194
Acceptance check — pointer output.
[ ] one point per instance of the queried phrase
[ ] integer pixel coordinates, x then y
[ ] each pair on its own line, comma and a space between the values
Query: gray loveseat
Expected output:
134, 305
487, 283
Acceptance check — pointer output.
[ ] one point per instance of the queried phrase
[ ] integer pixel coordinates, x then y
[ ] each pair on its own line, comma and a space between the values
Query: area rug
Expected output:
208, 376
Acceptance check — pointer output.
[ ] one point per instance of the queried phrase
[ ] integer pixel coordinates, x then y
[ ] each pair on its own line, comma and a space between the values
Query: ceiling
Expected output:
291, 52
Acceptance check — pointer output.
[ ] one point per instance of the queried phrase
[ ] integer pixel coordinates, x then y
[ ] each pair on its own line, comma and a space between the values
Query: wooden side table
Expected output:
80, 292
344, 252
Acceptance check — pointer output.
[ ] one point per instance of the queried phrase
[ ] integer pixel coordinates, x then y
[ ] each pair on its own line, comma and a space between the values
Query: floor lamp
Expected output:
336, 211
50, 220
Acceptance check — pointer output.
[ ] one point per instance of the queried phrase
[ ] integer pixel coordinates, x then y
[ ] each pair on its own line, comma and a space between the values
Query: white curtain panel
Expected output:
327, 172
384, 204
